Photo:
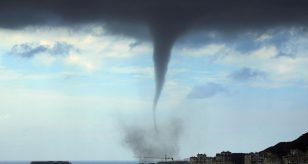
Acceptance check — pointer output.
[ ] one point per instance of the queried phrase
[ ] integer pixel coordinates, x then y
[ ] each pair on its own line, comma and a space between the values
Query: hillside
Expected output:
283, 148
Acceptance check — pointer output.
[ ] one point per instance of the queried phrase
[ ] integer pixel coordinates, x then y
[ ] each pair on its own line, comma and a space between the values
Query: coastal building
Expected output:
295, 156
225, 157
262, 158
199, 159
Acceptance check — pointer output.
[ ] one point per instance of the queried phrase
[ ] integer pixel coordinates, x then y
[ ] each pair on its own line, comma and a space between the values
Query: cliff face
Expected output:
283, 148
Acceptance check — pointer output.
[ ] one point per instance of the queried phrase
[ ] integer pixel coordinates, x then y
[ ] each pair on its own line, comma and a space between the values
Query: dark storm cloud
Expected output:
28, 50
207, 90
247, 74
166, 20
221, 14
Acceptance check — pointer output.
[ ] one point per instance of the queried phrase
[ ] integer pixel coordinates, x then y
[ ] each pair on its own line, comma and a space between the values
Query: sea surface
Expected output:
76, 162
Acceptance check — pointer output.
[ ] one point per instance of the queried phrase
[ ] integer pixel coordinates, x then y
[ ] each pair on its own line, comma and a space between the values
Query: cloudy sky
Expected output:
65, 94
70, 92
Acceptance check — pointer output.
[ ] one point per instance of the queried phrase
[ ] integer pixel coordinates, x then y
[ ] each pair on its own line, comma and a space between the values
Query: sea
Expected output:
76, 162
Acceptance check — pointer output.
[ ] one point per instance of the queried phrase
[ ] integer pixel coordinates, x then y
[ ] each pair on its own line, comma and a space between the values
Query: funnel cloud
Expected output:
165, 21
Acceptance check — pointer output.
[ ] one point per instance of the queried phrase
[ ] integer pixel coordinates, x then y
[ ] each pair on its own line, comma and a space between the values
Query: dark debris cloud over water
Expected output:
148, 145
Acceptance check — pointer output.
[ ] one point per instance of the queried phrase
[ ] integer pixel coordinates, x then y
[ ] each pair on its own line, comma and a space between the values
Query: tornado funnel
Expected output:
164, 36
161, 57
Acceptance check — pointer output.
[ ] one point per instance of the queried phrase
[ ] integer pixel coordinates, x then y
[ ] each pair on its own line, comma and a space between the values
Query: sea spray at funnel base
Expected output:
147, 143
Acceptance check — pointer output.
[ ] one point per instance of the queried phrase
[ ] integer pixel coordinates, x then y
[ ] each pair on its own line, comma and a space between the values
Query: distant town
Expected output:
294, 152
226, 157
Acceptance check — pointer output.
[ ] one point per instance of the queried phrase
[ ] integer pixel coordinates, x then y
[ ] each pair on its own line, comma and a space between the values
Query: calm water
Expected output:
76, 162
